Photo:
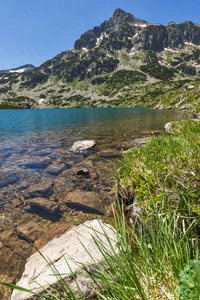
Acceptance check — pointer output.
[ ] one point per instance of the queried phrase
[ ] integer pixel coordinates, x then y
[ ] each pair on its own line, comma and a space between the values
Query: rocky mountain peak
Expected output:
120, 16
115, 25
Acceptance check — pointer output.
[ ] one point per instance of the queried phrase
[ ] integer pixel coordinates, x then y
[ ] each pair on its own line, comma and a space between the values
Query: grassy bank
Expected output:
159, 186
166, 167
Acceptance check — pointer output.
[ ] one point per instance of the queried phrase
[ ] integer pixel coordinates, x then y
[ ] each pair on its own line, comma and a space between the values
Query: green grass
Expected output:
170, 163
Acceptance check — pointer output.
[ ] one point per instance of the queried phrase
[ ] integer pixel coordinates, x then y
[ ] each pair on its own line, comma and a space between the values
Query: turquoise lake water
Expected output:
34, 141
67, 125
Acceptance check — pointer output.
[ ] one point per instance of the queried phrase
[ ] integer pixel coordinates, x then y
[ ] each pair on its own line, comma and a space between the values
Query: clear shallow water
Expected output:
66, 125
33, 142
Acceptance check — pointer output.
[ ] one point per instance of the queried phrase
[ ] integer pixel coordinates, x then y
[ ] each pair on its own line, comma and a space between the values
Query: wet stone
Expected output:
30, 230
11, 205
55, 169
13, 254
83, 171
44, 204
43, 188
62, 184
36, 163
85, 201
9, 176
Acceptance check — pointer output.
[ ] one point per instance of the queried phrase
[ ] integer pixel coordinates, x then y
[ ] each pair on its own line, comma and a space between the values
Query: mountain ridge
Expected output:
125, 61
21, 69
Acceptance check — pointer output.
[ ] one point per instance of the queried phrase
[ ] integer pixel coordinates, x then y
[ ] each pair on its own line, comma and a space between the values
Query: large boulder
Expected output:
81, 146
67, 253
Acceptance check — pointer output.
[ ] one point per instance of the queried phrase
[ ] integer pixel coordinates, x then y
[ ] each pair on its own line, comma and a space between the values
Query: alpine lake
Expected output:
37, 165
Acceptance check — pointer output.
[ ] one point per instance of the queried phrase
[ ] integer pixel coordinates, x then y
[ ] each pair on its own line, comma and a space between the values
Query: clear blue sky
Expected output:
33, 31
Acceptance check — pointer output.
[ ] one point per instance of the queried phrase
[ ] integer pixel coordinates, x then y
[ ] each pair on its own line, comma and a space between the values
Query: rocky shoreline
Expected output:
51, 207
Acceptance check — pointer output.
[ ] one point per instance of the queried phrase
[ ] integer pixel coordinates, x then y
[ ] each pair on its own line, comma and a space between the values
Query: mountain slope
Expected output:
123, 62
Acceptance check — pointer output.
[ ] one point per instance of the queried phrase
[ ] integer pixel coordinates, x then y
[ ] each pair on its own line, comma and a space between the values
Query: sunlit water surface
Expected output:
32, 142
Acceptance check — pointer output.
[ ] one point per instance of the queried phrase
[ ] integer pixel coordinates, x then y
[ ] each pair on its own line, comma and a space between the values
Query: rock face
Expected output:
64, 251
81, 146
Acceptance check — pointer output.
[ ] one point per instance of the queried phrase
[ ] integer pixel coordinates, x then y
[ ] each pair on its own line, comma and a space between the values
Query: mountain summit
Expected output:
114, 24
125, 61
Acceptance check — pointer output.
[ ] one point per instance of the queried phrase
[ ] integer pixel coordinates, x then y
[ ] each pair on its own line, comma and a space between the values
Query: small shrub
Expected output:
189, 283
158, 71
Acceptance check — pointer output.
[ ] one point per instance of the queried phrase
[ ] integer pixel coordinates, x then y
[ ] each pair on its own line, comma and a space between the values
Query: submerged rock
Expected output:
85, 201
83, 171
43, 188
30, 231
67, 252
81, 146
55, 168
44, 204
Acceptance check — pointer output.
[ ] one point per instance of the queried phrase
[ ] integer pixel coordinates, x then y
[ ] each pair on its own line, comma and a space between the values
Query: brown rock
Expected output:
44, 188
42, 203
13, 255
30, 230
14, 250
55, 168
63, 182
85, 201
5, 292
11, 205
83, 171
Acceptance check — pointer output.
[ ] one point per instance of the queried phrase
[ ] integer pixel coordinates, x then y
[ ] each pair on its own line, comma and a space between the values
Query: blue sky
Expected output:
33, 31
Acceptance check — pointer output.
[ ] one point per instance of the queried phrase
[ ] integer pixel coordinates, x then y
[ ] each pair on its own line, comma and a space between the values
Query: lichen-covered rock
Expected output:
64, 252
168, 127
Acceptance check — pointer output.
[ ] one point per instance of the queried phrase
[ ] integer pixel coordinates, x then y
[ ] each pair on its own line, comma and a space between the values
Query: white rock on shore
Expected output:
81, 146
64, 251
168, 127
